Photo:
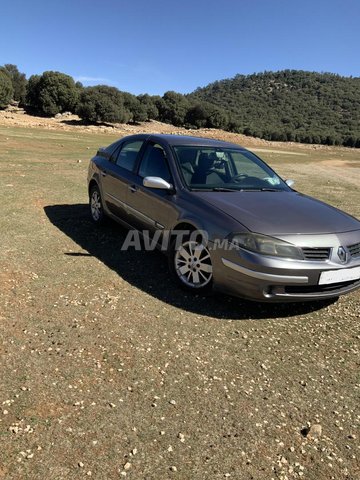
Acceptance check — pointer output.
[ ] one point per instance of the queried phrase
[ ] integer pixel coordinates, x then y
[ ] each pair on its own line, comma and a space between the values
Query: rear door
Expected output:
119, 174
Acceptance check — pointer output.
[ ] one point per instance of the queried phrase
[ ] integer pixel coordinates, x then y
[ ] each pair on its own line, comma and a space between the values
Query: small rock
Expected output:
172, 402
315, 431
173, 468
80, 464
127, 466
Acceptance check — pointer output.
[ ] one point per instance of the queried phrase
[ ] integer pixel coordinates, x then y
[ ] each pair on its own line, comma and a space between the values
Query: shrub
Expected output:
6, 90
51, 93
102, 104
18, 81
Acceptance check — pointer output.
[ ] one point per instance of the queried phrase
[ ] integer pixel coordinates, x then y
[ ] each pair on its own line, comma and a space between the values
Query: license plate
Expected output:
337, 276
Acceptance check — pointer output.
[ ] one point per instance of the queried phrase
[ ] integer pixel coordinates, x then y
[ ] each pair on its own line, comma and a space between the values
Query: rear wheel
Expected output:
96, 206
191, 266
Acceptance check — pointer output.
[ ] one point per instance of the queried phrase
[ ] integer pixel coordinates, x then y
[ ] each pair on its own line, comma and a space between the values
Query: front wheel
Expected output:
191, 266
96, 206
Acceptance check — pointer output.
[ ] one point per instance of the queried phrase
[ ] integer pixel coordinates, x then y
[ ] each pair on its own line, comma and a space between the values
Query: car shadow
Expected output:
148, 270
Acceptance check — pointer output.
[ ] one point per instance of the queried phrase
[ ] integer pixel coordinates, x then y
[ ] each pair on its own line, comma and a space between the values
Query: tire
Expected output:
96, 206
191, 266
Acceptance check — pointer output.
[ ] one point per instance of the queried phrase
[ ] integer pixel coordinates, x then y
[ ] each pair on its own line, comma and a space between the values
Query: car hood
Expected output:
274, 213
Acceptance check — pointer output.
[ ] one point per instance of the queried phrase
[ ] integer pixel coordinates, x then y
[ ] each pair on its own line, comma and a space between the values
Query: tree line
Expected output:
289, 105
55, 92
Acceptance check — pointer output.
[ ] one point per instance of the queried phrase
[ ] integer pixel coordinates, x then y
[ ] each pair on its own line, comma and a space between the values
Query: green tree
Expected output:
135, 107
197, 116
149, 103
51, 93
174, 109
18, 81
6, 90
102, 104
32, 93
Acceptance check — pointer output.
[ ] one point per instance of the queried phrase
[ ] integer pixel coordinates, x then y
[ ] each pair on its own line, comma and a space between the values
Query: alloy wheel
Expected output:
193, 264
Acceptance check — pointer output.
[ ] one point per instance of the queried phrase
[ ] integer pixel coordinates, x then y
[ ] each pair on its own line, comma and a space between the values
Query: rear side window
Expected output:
128, 154
110, 150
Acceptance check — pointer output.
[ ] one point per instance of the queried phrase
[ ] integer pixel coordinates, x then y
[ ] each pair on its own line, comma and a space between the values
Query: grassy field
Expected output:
109, 371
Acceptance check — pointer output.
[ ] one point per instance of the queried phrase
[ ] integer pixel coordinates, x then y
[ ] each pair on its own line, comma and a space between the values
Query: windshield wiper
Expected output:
224, 189
215, 189
263, 189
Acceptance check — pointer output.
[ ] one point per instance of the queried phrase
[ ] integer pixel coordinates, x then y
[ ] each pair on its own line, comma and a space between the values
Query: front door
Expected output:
149, 208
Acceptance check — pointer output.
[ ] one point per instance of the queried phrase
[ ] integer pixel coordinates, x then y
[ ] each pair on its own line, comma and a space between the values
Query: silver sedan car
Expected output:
225, 219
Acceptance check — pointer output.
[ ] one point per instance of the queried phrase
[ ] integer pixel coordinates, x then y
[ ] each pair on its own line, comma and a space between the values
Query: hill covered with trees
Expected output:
290, 105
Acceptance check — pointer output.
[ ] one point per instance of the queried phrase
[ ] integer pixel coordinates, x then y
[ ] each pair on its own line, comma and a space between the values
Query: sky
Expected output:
154, 46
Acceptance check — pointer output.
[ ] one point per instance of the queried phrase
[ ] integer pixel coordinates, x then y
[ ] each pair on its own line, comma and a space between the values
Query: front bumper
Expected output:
269, 279
272, 287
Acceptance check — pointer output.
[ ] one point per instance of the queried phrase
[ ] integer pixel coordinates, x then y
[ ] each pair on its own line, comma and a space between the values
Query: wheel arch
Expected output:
92, 183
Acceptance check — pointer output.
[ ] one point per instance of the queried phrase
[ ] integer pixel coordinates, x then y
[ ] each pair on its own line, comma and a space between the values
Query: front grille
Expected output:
355, 250
321, 254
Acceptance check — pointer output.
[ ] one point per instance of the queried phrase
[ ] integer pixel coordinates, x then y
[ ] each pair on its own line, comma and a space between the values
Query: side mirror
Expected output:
157, 182
289, 182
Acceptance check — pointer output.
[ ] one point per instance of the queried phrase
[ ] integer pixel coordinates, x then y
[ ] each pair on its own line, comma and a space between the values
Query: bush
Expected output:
197, 116
135, 107
51, 93
18, 81
174, 108
149, 104
6, 90
102, 104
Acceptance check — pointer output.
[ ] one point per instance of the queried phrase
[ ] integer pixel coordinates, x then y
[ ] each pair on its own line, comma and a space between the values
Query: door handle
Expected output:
133, 188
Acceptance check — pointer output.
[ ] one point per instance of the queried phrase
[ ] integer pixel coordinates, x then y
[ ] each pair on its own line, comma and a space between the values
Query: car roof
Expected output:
191, 140
186, 140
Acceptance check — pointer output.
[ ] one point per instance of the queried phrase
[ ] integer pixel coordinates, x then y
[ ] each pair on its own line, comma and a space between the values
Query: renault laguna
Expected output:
226, 220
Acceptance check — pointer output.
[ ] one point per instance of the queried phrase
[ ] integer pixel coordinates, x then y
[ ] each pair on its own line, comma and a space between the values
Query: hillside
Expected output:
290, 105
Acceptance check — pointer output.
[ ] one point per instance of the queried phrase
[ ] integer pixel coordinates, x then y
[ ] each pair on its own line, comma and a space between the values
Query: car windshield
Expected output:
225, 169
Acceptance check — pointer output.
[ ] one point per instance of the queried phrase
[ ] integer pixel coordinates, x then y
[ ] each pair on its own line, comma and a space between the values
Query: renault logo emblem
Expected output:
342, 254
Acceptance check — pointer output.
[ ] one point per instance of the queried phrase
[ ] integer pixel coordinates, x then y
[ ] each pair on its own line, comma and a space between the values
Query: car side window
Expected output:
128, 153
154, 163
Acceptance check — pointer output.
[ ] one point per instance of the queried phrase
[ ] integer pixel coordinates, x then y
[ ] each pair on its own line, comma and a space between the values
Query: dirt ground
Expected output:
109, 371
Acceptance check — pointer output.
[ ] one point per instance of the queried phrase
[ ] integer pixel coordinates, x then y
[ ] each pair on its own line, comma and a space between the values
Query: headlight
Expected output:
266, 245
